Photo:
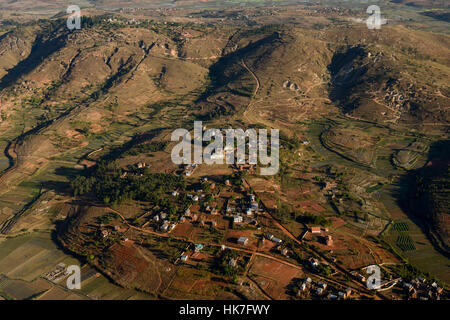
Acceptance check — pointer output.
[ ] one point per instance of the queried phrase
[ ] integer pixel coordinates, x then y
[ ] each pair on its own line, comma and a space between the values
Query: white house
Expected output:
243, 241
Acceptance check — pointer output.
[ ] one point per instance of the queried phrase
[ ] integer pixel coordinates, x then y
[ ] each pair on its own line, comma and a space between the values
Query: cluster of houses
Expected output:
189, 169
142, 165
232, 262
57, 274
319, 289
418, 288
242, 213
272, 238
316, 263
422, 289
282, 250
243, 241
322, 233
189, 214
329, 11
165, 225
250, 210
132, 172
106, 231
211, 210
358, 276
124, 21
197, 248
195, 197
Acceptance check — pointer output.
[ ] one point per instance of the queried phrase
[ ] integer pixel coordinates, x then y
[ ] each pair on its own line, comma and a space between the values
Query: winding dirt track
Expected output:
12, 156
249, 108
258, 83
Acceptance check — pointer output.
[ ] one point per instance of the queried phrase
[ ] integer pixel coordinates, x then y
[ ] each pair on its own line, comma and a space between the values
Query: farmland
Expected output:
25, 260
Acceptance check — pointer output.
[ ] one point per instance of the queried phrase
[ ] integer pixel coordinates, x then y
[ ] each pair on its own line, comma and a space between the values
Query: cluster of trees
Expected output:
222, 263
34, 101
107, 218
138, 139
146, 148
310, 218
290, 143
325, 270
408, 272
107, 183
284, 211
236, 178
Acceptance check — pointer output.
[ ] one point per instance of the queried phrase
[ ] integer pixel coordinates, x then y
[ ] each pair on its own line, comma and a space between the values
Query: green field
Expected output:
401, 226
405, 243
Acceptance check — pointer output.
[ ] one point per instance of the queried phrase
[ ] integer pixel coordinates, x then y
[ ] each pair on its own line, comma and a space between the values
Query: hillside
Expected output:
432, 199
392, 85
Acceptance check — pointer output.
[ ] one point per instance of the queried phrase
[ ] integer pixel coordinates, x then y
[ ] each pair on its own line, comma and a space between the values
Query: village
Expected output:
225, 224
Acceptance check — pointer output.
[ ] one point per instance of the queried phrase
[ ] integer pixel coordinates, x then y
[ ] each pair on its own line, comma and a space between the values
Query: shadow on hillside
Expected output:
345, 72
41, 50
136, 140
414, 203
229, 69
59, 187
62, 187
